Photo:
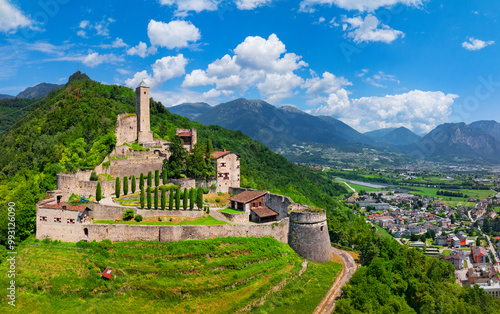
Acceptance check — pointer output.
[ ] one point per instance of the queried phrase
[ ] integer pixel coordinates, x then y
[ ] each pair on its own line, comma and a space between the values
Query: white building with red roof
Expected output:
228, 170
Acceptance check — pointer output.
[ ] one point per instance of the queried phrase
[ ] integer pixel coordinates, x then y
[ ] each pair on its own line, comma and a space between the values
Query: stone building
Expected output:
228, 170
188, 136
253, 204
144, 134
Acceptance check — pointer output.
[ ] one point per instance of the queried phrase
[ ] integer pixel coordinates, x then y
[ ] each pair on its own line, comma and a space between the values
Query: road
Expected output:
327, 305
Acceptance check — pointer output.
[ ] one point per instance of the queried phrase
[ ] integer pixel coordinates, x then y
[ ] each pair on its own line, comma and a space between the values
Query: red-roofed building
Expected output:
479, 254
188, 136
228, 170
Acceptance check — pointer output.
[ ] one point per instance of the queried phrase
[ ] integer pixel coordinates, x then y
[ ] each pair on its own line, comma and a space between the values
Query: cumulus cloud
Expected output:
11, 18
176, 34
94, 59
369, 29
419, 111
117, 43
164, 69
256, 61
329, 83
358, 5
183, 7
141, 50
213, 93
251, 4
476, 44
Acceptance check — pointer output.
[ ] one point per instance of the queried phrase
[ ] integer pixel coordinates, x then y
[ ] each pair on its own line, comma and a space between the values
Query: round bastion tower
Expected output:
308, 235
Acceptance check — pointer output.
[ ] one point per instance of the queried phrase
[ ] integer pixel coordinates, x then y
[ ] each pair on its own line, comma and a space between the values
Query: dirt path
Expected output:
327, 305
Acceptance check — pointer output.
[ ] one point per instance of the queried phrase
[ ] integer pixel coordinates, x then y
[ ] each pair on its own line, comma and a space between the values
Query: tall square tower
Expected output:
144, 134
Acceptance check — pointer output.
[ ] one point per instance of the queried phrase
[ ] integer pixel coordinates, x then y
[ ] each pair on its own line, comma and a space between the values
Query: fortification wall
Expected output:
308, 236
278, 203
240, 217
126, 129
121, 170
118, 233
163, 213
106, 212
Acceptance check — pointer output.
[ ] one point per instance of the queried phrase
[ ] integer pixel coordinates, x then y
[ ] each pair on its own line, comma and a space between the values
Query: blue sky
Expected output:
370, 63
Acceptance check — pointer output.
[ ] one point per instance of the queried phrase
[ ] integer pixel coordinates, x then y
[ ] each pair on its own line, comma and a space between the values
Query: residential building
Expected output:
479, 254
457, 258
228, 170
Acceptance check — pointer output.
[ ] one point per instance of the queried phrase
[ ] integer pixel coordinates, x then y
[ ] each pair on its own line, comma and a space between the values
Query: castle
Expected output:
57, 219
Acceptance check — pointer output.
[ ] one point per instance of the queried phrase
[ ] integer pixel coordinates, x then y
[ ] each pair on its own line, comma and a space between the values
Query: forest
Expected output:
73, 128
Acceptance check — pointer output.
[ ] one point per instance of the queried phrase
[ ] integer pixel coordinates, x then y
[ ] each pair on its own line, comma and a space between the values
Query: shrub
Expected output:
156, 197
148, 195
138, 218
141, 182
213, 186
199, 199
128, 214
83, 244
93, 176
217, 199
142, 198
159, 219
205, 190
47, 241
207, 209
164, 175
105, 245
220, 193
117, 188
150, 178
125, 185
98, 192
106, 164
163, 199
132, 184
185, 197
157, 177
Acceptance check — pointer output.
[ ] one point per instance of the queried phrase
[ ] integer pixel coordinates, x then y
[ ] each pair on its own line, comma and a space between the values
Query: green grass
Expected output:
446, 252
231, 211
206, 220
357, 187
478, 194
219, 275
383, 232
304, 294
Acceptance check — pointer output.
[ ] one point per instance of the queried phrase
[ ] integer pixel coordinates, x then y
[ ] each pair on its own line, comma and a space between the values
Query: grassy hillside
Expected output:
219, 275
73, 128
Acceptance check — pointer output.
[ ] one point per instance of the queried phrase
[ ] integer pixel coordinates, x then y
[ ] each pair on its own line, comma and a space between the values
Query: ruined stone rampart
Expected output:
126, 129
308, 236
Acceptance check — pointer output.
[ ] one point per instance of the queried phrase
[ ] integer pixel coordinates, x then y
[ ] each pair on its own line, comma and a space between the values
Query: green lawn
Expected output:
206, 220
231, 211
382, 231
478, 194
221, 275
446, 252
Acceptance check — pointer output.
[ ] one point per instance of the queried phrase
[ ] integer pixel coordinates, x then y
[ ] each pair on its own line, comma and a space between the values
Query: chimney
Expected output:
64, 207
223, 149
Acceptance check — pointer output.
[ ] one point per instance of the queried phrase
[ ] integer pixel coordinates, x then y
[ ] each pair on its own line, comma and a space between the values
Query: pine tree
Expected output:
125, 185
156, 197
164, 175
163, 199
157, 177
132, 184
191, 199
141, 182
178, 199
199, 198
98, 192
148, 192
171, 200
185, 197
142, 198
150, 179
117, 188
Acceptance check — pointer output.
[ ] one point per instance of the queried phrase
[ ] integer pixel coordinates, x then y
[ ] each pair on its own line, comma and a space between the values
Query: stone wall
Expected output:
240, 217
126, 129
279, 204
106, 212
308, 236
162, 213
121, 170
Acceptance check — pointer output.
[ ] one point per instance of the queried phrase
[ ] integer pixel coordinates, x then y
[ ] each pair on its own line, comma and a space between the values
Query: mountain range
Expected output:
478, 142
38, 91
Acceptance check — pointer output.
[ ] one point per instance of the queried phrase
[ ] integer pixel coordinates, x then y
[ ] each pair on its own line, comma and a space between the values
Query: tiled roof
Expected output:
479, 250
78, 208
184, 134
220, 154
263, 211
247, 196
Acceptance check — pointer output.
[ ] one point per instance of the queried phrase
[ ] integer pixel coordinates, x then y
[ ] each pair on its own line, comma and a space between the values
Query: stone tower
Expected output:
308, 236
144, 134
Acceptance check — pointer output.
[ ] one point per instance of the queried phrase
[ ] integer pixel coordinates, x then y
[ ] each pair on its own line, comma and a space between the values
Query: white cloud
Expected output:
119, 43
45, 47
419, 111
328, 84
378, 79
123, 71
11, 18
185, 6
94, 59
142, 50
370, 30
174, 98
100, 28
176, 34
213, 93
358, 5
256, 62
476, 44
251, 4
164, 69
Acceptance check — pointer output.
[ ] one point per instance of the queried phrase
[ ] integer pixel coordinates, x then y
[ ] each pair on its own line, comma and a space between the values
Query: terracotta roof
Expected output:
263, 211
184, 134
78, 208
479, 250
220, 154
247, 196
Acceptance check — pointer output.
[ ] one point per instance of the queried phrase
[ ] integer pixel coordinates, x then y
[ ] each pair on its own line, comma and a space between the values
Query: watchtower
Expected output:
144, 134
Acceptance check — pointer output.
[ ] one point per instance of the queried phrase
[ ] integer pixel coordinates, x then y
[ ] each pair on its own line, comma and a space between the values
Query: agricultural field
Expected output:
221, 275
432, 192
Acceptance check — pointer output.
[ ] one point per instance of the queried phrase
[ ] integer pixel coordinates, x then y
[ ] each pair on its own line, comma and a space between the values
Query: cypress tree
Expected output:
163, 199
185, 197
148, 192
125, 185
156, 197
157, 177
191, 199
150, 179
142, 198
141, 182
164, 175
199, 198
117, 188
132, 184
171, 200
178, 199
98, 192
